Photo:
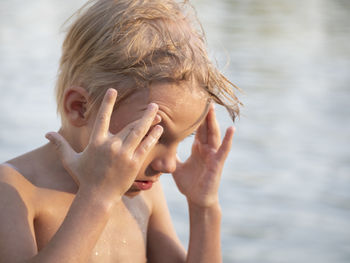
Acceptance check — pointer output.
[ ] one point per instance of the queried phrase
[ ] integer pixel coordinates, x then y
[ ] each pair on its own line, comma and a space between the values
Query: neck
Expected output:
76, 137
48, 170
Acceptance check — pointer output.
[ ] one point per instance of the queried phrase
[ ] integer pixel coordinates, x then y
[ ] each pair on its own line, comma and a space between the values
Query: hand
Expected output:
198, 178
109, 164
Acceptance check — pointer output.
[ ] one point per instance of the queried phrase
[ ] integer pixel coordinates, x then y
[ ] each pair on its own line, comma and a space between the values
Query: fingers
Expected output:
63, 149
103, 117
226, 144
201, 133
156, 120
137, 131
209, 131
213, 133
147, 144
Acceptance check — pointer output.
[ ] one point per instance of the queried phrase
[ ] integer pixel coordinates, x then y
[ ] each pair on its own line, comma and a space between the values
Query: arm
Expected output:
205, 244
163, 244
104, 171
86, 217
79, 232
198, 179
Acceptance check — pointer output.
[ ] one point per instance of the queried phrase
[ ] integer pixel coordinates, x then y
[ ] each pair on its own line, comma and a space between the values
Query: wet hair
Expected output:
130, 44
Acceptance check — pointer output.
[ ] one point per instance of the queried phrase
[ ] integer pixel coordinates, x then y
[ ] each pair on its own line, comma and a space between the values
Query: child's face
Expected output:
181, 109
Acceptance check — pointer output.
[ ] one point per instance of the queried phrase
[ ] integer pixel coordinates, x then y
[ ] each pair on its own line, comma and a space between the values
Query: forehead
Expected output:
181, 107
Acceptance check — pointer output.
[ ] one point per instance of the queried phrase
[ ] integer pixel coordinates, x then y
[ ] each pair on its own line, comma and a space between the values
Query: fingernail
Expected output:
152, 106
111, 92
48, 136
159, 129
158, 118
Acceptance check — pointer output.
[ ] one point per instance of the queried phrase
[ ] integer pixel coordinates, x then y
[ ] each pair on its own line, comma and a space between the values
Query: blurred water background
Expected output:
285, 190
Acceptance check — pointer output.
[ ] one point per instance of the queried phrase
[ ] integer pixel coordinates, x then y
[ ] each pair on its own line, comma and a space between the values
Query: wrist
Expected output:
100, 199
212, 210
204, 203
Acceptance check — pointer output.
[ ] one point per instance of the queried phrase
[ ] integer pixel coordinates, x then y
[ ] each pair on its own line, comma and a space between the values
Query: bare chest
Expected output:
123, 239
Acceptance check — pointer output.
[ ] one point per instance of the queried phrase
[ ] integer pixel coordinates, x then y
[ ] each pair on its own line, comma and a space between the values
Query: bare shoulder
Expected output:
14, 183
16, 214
9, 174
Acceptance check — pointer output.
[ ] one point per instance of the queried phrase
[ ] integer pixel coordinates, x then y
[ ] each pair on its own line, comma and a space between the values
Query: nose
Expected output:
165, 162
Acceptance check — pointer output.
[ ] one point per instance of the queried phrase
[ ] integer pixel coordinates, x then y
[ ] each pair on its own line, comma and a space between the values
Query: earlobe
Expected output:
76, 100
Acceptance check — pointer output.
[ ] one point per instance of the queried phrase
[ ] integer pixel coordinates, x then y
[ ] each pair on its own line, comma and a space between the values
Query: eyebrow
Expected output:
203, 115
163, 123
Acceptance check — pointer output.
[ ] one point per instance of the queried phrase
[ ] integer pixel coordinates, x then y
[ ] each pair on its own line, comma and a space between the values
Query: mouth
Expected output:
143, 184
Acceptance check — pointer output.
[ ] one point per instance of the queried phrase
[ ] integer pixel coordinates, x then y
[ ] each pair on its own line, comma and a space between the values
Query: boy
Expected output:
134, 81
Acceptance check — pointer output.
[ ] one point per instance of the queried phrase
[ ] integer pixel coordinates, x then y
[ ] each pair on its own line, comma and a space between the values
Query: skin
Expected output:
76, 200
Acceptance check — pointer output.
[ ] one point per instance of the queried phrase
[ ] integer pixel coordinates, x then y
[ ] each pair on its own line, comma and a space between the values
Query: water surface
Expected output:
285, 190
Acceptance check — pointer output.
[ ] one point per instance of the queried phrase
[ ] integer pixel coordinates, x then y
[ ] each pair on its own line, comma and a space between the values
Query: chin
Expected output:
132, 192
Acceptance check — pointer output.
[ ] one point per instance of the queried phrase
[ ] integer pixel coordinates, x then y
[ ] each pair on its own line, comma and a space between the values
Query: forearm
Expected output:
79, 232
205, 243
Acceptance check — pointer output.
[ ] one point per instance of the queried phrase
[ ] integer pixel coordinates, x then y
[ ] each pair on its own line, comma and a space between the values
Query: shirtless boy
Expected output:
134, 81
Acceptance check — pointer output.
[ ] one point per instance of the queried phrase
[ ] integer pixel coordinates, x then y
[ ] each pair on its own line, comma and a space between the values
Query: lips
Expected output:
143, 185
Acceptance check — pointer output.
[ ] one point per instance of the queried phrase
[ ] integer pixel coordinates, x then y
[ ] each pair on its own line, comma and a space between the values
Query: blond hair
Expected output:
128, 44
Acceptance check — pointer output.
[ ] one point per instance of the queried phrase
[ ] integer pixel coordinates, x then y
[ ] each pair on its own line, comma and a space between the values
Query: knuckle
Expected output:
58, 145
124, 155
56, 142
133, 164
103, 117
97, 142
142, 150
146, 146
113, 149
109, 150
116, 145
148, 143
136, 132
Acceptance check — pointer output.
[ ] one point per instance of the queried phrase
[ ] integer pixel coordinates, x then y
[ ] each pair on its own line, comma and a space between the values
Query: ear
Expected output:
75, 103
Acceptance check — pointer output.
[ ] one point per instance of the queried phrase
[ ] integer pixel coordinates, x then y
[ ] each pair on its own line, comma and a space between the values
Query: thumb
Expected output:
63, 149
226, 144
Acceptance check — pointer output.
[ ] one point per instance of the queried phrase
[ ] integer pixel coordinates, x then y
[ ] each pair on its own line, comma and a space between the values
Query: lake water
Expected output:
285, 190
